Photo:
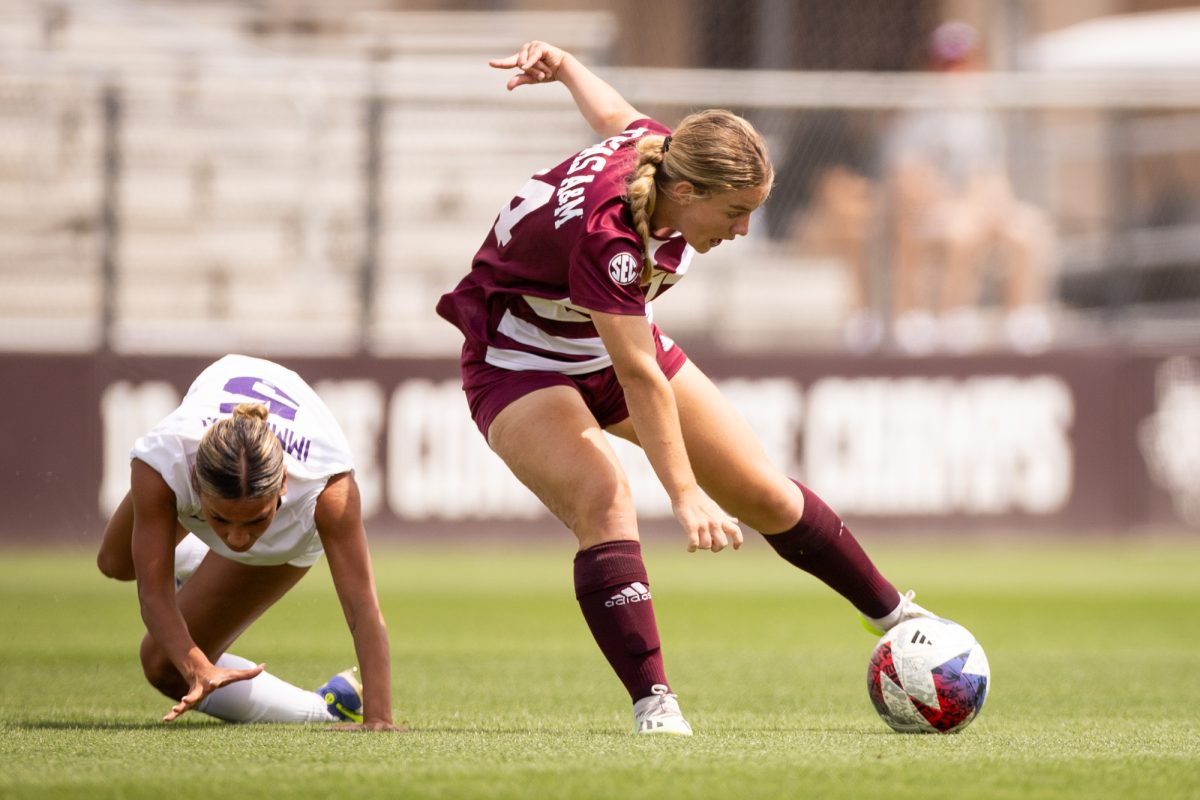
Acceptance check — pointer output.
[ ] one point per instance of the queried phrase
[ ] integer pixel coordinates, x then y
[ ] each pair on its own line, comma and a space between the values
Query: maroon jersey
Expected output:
563, 247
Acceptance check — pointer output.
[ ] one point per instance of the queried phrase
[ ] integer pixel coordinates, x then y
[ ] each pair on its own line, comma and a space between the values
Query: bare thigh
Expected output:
218, 603
553, 444
115, 558
729, 463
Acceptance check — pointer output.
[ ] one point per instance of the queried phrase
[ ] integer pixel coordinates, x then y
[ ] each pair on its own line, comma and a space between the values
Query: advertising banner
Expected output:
1071, 442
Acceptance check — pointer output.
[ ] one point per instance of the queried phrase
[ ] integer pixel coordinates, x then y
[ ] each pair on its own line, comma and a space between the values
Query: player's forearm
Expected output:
165, 625
655, 418
600, 104
374, 661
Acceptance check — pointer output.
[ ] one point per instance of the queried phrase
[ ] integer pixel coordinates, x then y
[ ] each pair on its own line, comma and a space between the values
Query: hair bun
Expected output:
250, 411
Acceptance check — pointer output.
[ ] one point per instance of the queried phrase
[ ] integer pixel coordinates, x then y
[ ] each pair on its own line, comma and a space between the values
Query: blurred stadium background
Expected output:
301, 180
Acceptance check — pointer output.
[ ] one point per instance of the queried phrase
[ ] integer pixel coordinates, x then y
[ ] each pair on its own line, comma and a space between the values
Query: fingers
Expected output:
186, 703
536, 60
716, 535
247, 674
735, 535
503, 63
205, 686
529, 56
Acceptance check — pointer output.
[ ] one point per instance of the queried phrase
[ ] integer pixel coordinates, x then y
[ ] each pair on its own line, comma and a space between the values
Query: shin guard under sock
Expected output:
613, 593
822, 545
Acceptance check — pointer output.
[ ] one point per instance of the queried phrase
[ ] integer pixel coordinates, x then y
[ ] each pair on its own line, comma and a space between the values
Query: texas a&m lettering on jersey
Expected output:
563, 247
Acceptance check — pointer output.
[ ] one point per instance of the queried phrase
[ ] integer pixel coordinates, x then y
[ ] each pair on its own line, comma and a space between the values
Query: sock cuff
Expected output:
609, 564
817, 514
811, 534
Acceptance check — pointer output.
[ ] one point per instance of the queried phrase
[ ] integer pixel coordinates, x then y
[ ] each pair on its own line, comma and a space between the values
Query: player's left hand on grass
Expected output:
205, 683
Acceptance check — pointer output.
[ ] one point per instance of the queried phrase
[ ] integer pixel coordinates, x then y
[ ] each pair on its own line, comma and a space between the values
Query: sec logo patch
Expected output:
624, 268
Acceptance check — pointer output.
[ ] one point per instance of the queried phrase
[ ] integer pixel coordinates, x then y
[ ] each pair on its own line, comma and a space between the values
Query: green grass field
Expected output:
1092, 646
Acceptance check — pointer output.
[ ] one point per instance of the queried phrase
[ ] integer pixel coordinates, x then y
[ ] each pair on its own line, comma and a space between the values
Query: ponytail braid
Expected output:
643, 192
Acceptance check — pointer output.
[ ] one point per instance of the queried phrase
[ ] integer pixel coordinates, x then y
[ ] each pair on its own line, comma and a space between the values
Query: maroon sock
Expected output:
613, 591
822, 545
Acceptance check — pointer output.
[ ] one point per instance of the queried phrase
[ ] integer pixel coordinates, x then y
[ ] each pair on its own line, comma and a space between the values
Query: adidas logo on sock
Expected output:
635, 592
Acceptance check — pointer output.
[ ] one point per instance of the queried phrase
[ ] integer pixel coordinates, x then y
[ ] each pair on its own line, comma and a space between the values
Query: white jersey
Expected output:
315, 449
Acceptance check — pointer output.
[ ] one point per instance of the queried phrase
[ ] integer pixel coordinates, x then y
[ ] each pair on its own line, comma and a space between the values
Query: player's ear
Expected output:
683, 192
282, 487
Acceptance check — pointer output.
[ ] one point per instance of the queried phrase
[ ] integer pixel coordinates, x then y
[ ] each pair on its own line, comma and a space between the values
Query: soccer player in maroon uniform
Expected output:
560, 347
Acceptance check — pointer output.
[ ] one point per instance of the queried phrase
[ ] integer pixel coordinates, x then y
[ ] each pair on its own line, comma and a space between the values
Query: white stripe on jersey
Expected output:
557, 310
520, 361
524, 332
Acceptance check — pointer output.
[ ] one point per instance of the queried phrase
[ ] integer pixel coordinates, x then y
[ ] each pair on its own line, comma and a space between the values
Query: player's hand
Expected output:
706, 524
205, 682
538, 62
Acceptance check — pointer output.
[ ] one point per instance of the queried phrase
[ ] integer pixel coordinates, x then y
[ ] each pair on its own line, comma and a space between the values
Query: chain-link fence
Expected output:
210, 177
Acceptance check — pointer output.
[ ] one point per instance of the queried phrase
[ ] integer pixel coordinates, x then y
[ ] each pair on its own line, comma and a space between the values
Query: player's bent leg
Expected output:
726, 456
575, 472
571, 467
733, 468
218, 603
267, 698
115, 557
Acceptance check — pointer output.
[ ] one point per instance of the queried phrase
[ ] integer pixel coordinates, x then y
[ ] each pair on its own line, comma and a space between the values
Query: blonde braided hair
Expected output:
714, 150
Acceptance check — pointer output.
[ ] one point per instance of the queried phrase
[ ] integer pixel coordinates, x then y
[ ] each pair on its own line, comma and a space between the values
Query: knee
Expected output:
602, 510
774, 507
114, 566
160, 672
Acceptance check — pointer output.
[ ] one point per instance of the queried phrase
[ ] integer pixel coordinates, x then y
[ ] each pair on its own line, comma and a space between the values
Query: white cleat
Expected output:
908, 609
659, 713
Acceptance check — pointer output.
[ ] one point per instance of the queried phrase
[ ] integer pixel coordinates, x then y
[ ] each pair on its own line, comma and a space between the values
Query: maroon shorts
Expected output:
489, 389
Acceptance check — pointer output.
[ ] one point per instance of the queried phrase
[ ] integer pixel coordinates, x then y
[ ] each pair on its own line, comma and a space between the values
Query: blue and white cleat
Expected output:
343, 695
659, 713
908, 609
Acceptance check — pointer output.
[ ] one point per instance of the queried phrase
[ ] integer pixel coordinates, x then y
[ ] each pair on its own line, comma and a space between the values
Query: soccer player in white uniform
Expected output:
233, 497
560, 347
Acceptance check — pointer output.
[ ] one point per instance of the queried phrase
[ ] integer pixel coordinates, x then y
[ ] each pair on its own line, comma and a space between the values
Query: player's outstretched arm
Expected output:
600, 104
339, 523
153, 547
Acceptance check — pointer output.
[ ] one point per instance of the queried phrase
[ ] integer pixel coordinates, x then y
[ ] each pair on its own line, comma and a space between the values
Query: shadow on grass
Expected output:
209, 726
109, 725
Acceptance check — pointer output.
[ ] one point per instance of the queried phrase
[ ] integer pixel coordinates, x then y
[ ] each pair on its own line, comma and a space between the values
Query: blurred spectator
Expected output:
954, 215
827, 203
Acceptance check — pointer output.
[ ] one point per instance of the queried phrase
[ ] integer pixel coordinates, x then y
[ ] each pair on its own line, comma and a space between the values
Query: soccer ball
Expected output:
928, 676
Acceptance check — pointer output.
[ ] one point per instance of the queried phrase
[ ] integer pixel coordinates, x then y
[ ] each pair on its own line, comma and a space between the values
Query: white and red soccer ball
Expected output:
928, 676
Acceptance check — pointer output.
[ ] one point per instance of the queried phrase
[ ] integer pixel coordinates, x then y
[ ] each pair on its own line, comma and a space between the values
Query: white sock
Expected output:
264, 698
188, 554
888, 622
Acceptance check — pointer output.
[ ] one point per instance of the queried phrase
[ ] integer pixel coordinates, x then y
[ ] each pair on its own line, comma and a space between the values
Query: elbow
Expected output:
119, 569
643, 380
